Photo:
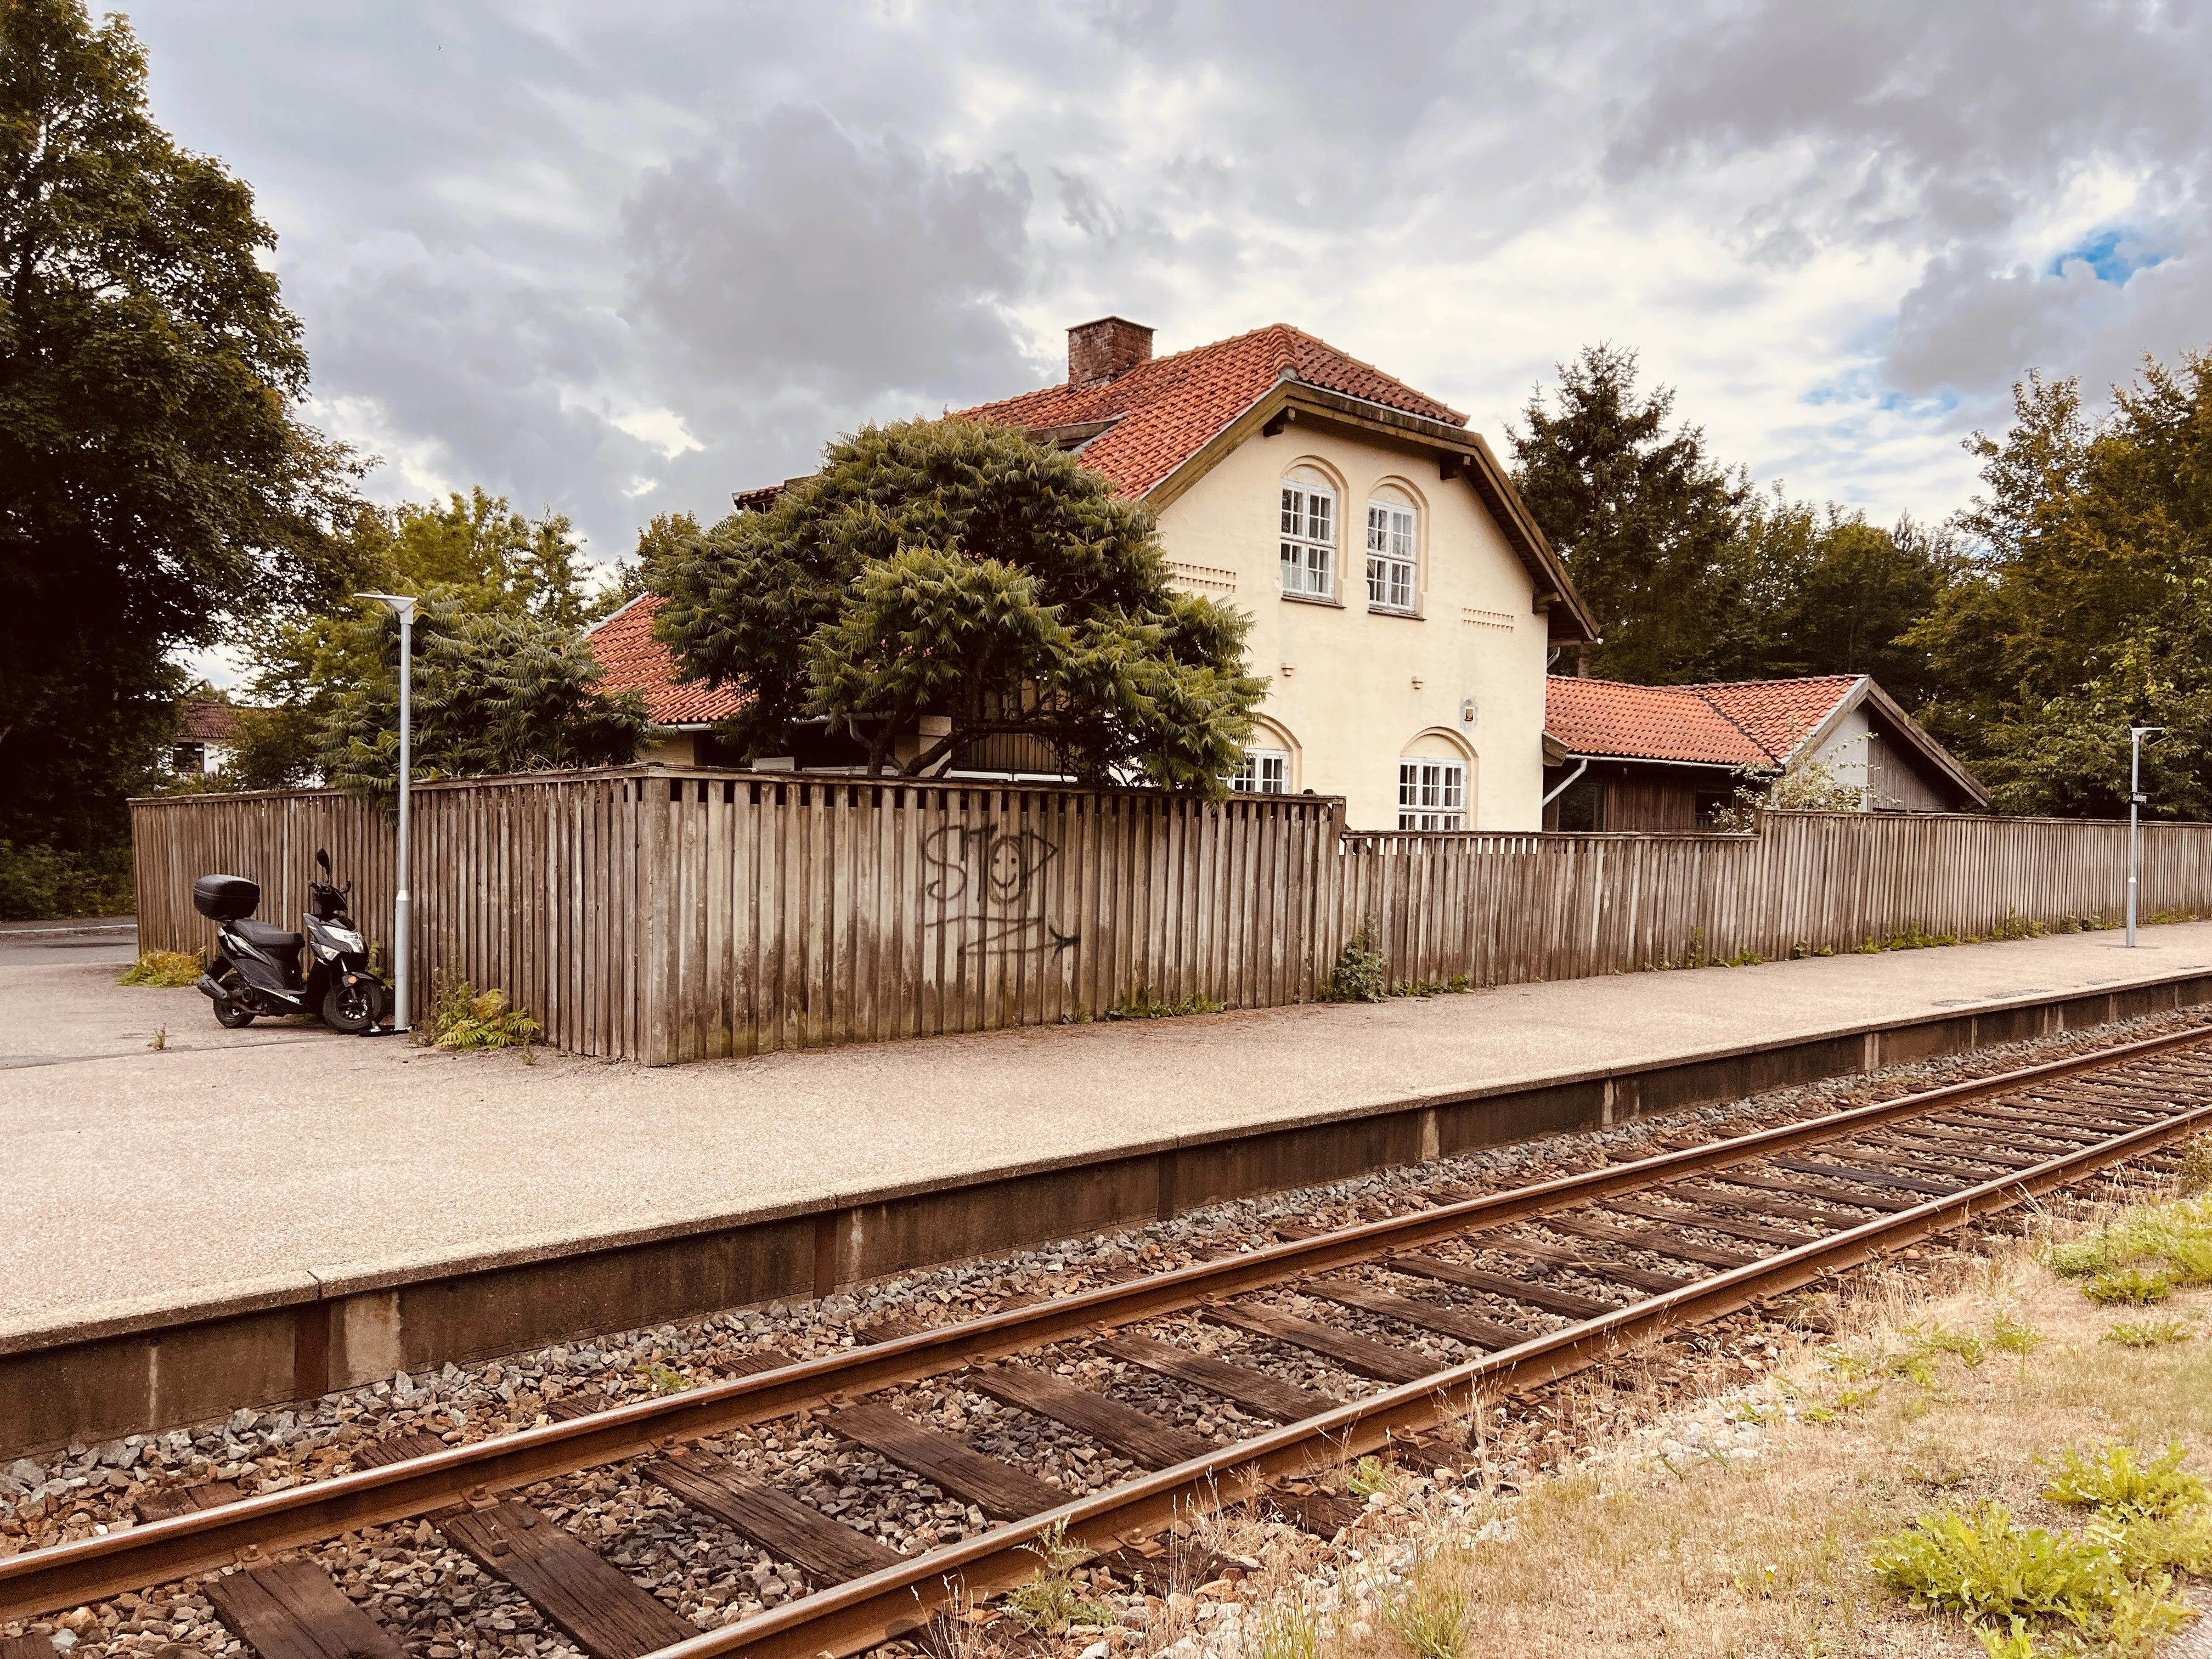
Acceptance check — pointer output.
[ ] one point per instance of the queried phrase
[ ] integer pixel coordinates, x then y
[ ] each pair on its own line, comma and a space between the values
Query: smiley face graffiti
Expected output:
987, 874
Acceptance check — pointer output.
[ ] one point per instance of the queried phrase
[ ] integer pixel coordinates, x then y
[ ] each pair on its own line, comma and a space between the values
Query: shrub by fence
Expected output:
665, 915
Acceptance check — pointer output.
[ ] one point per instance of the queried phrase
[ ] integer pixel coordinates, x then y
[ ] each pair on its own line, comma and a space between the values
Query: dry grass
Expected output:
1918, 1405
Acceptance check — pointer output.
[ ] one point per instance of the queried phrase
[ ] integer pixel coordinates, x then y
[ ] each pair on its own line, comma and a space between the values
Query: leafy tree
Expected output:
155, 484
1648, 525
954, 568
668, 534
2090, 609
493, 692
1823, 592
1696, 577
474, 555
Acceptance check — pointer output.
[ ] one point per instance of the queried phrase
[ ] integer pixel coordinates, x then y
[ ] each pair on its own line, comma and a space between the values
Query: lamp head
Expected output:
403, 604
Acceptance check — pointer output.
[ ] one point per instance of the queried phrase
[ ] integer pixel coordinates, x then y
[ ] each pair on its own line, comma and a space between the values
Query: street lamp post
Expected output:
2136, 736
403, 606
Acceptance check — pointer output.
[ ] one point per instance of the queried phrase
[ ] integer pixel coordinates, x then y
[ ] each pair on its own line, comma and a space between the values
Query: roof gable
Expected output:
1781, 715
1766, 724
1164, 410
1164, 423
631, 660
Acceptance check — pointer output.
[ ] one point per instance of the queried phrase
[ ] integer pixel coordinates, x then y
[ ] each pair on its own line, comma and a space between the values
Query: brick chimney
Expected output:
1106, 351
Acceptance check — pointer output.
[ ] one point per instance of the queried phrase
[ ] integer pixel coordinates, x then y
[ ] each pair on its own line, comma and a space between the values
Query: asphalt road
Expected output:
99, 940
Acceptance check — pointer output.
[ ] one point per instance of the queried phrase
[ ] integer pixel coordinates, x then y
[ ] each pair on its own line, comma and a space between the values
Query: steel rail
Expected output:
848, 1618
62, 1576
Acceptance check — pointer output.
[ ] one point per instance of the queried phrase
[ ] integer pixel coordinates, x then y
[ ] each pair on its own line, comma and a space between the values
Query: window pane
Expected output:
1401, 535
1293, 510
1320, 519
1378, 529
1431, 794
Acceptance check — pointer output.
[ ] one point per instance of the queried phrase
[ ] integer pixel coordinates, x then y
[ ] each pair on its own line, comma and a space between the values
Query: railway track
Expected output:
1321, 1348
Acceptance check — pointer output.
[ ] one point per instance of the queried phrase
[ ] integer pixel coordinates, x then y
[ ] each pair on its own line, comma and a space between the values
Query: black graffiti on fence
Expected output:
985, 874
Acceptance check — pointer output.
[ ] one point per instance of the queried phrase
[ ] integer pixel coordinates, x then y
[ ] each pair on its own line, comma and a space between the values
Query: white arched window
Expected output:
1392, 550
1431, 792
1262, 772
1309, 535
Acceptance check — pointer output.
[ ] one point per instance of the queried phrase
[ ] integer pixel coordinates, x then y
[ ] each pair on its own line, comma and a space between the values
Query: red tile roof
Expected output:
632, 660
1779, 715
1166, 410
1645, 722
1724, 723
205, 720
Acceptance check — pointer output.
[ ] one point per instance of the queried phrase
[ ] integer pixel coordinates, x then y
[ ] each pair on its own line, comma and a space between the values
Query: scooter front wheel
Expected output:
349, 1008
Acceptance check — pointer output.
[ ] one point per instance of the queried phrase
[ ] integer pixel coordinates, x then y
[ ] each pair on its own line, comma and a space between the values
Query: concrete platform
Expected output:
200, 1218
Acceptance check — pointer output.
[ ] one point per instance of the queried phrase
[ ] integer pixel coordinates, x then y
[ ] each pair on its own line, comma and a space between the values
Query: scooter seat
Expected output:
266, 937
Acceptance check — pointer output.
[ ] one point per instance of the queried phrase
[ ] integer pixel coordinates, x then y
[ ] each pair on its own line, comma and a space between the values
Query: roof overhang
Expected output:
1460, 453
1729, 769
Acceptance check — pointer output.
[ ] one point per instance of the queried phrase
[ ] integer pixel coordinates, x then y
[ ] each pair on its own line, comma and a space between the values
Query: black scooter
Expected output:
257, 967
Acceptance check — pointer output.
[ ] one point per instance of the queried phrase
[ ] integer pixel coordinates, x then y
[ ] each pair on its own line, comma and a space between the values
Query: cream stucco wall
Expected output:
1353, 689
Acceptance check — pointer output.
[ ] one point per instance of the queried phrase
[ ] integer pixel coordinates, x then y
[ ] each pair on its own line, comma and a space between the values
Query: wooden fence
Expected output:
664, 915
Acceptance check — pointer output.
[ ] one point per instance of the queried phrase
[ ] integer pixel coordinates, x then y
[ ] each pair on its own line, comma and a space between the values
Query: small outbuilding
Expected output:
1619, 756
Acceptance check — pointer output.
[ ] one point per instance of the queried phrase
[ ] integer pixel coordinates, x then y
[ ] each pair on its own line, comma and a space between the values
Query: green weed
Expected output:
1431, 987
1369, 1476
1981, 1566
170, 968
2132, 1287
461, 1016
2111, 1480
663, 1379
1361, 975
1141, 1004
2014, 1335
1430, 1614
1050, 1601
2147, 1334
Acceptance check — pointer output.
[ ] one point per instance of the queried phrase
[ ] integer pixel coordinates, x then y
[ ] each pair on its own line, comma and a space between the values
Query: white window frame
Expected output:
1393, 537
1262, 772
1431, 792
1308, 547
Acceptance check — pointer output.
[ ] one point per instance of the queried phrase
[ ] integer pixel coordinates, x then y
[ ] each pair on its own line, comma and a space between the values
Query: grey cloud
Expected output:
1967, 326
505, 224
1920, 120
791, 254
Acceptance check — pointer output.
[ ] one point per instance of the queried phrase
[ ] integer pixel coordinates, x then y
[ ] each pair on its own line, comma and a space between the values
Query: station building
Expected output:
1404, 601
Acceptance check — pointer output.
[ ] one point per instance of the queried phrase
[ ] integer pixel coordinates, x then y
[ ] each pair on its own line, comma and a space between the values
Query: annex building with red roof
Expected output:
1646, 757
1403, 600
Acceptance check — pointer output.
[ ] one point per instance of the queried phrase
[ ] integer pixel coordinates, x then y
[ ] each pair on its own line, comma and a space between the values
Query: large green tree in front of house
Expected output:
2091, 609
156, 484
954, 568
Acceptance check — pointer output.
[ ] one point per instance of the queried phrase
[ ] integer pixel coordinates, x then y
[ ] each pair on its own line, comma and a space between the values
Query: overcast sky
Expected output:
617, 260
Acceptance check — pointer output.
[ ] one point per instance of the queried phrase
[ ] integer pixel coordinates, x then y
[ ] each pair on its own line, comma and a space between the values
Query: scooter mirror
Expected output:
323, 861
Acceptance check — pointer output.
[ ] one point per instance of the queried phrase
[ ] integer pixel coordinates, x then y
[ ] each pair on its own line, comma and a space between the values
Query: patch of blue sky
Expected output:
1862, 388
2113, 256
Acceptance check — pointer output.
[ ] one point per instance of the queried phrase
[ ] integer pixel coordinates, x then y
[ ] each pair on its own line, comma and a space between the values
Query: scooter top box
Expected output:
225, 898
